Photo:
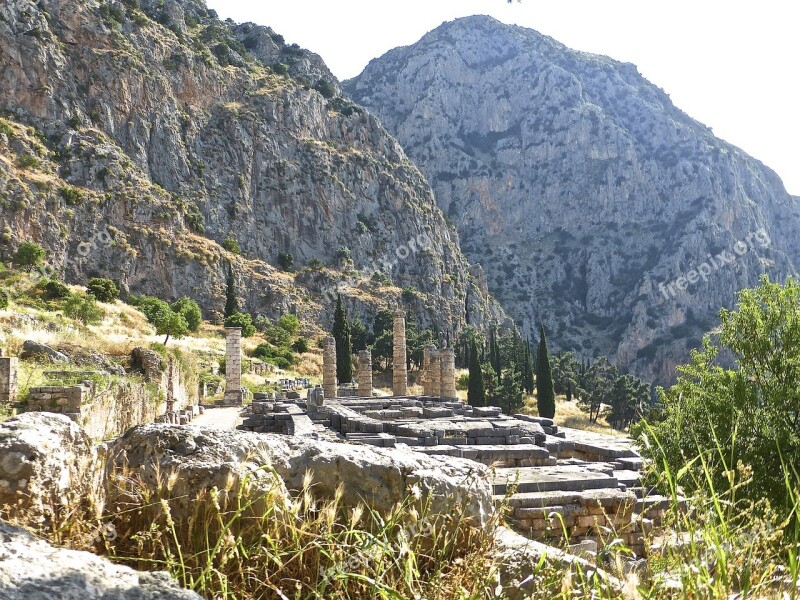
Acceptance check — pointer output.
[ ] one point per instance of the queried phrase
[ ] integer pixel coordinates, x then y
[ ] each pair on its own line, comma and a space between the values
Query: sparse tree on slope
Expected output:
546, 397
344, 347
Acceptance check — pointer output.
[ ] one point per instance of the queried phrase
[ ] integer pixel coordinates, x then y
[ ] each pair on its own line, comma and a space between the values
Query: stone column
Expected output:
448, 374
435, 373
426, 366
233, 367
399, 369
8, 380
365, 374
329, 368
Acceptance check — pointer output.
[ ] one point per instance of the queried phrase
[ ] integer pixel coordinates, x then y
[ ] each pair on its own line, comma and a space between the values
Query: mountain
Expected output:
144, 140
582, 190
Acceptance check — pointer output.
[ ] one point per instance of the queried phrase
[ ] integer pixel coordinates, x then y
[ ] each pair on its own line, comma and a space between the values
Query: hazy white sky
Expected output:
733, 65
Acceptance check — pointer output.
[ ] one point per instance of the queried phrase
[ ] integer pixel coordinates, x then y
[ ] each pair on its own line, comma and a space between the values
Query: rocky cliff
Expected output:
139, 135
582, 190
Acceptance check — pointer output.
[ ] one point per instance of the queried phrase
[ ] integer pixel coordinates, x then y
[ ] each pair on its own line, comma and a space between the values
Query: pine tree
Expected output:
476, 393
509, 392
231, 302
494, 353
341, 333
546, 399
527, 371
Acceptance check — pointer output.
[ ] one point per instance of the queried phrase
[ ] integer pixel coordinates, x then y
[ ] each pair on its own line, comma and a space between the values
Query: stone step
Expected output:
552, 478
628, 478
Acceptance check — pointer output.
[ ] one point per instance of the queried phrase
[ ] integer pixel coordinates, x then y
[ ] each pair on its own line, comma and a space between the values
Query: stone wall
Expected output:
8, 380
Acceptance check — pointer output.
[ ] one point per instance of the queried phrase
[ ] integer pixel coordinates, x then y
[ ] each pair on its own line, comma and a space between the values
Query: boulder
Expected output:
199, 458
47, 467
31, 349
32, 569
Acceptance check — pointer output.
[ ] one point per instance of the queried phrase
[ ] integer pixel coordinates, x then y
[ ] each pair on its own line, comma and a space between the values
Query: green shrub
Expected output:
289, 323
70, 195
53, 290
6, 128
285, 260
300, 345
409, 294
343, 253
231, 245
190, 311
3, 299
242, 320
278, 335
280, 362
83, 308
324, 87
280, 68
315, 264
103, 289
154, 309
28, 161
29, 255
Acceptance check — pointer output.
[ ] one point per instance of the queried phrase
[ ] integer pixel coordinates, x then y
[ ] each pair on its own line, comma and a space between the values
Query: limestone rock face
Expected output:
195, 459
580, 188
32, 569
31, 349
47, 467
138, 140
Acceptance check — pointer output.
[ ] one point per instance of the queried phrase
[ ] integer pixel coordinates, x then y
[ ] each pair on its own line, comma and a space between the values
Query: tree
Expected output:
231, 302
545, 394
344, 347
358, 335
494, 352
597, 384
476, 393
189, 310
83, 308
173, 324
509, 392
527, 371
286, 261
749, 413
627, 394
231, 245
29, 255
242, 320
103, 289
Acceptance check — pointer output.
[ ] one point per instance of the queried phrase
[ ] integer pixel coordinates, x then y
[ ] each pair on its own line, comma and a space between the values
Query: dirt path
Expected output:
219, 418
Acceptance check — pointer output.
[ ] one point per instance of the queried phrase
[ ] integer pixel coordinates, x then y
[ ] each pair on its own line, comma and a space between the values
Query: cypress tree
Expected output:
341, 333
231, 302
546, 398
527, 370
476, 393
494, 353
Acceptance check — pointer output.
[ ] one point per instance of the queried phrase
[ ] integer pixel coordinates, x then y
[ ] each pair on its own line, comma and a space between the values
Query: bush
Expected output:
278, 335
154, 309
83, 308
315, 264
324, 87
280, 362
29, 255
285, 260
280, 68
289, 323
300, 345
28, 161
242, 320
231, 245
343, 253
189, 310
409, 294
70, 195
53, 290
103, 289
3, 299
5, 128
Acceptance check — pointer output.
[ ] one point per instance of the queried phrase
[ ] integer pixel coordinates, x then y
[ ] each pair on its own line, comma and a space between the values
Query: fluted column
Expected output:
329, 368
399, 369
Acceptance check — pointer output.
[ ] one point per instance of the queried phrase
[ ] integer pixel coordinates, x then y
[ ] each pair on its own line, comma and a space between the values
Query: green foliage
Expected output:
189, 310
70, 195
314, 264
103, 289
509, 391
28, 161
279, 356
29, 255
747, 415
166, 321
154, 309
5, 128
476, 394
231, 245
242, 320
358, 335
290, 323
83, 308
3, 299
324, 87
343, 253
53, 290
285, 261
173, 324
231, 301
300, 345
545, 394
279, 68
409, 294
344, 346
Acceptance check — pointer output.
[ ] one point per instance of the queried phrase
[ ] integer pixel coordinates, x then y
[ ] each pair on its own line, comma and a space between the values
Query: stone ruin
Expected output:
234, 394
550, 478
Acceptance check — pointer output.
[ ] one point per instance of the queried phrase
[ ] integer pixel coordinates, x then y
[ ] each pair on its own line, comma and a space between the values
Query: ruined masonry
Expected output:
587, 483
8, 380
234, 396
399, 368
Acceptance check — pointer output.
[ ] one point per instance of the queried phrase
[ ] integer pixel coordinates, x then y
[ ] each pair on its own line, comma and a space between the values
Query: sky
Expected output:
733, 65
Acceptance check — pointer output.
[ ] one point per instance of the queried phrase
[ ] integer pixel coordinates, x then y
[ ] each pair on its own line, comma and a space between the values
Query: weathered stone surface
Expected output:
381, 477
31, 569
31, 349
47, 465
571, 173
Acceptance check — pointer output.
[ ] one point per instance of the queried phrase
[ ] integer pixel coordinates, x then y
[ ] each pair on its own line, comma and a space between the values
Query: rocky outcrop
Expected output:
47, 469
193, 460
31, 568
139, 141
35, 350
592, 202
